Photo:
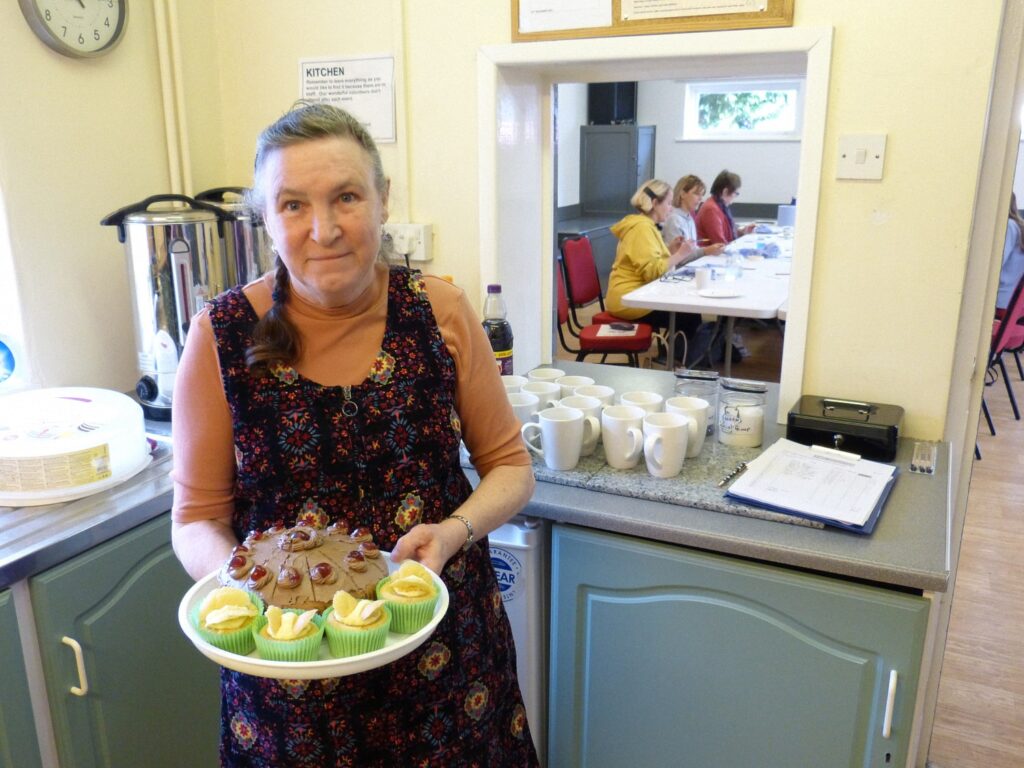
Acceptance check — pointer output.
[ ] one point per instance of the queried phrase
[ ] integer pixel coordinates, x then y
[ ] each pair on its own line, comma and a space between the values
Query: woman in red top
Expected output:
714, 220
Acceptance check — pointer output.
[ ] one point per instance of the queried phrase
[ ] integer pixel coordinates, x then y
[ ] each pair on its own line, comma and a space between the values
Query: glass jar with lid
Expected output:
741, 412
702, 384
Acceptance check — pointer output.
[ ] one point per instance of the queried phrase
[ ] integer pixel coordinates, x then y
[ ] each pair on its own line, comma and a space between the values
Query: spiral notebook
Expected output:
835, 488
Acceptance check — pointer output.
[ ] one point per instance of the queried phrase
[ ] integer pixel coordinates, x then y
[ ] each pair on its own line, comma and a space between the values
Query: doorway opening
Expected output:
517, 204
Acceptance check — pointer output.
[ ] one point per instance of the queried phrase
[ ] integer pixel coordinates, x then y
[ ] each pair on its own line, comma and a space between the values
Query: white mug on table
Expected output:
697, 409
569, 383
665, 437
548, 392
605, 394
649, 401
513, 383
622, 434
561, 432
591, 408
545, 374
524, 405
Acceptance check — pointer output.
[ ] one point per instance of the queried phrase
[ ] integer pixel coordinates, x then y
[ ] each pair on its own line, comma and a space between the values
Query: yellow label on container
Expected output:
46, 473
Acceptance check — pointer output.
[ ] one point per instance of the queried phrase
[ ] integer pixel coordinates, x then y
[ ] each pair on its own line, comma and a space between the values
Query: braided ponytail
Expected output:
275, 339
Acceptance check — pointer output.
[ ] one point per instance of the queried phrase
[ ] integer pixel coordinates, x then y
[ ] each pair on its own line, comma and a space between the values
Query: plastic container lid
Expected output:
65, 443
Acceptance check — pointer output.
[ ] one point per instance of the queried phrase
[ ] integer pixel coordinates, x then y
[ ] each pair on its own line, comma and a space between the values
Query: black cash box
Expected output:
867, 429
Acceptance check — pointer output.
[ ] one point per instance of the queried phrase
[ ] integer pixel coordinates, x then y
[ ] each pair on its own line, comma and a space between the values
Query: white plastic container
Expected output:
62, 444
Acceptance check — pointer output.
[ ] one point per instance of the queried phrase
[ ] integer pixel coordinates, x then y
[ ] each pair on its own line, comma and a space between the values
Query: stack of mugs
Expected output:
566, 417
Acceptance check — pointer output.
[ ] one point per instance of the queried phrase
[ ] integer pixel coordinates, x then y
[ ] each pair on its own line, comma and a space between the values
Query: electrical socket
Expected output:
412, 240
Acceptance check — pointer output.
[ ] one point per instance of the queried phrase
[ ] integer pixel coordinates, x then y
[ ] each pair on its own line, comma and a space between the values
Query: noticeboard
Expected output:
534, 20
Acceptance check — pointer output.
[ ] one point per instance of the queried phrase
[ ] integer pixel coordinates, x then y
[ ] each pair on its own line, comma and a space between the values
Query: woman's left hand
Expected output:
431, 544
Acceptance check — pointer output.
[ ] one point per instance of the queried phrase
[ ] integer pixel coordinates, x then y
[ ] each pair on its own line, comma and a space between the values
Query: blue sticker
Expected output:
6, 362
508, 570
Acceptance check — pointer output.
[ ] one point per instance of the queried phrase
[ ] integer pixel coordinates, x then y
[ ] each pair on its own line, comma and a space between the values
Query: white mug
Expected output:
697, 409
513, 383
524, 405
605, 394
562, 432
569, 383
649, 401
702, 277
591, 408
665, 436
621, 432
545, 374
548, 392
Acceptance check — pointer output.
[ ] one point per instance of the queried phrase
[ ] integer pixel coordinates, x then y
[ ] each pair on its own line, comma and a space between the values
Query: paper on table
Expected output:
791, 476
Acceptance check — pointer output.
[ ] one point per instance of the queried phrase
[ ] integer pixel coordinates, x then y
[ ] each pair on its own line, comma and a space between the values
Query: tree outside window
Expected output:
743, 111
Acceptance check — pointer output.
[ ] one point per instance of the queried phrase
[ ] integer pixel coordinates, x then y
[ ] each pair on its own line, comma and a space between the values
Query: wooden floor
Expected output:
979, 719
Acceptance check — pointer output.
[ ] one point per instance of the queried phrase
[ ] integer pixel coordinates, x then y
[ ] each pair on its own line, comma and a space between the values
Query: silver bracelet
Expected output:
469, 530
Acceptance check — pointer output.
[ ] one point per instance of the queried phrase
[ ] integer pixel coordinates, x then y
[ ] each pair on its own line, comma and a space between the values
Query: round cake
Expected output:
302, 566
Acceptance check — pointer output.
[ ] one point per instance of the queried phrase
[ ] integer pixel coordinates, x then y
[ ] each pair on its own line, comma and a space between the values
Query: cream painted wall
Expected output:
890, 256
78, 139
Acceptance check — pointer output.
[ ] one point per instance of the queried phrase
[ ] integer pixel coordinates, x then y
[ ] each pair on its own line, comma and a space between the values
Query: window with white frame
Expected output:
747, 110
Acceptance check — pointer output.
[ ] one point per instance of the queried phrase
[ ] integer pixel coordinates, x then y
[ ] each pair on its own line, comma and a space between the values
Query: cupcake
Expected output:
225, 618
355, 626
288, 635
410, 594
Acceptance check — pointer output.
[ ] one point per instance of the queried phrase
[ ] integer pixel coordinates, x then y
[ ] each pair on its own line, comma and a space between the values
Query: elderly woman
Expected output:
642, 255
340, 385
686, 199
714, 219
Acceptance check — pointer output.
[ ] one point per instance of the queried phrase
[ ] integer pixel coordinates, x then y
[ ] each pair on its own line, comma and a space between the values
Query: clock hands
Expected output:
81, 3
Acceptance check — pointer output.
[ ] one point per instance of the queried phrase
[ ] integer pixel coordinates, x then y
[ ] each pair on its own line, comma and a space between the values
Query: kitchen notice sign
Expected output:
364, 87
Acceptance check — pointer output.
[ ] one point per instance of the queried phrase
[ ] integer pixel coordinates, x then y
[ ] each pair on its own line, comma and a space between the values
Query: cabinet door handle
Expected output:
890, 701
83, 683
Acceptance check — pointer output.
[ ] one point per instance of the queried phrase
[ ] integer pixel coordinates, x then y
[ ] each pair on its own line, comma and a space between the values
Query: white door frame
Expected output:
516, 169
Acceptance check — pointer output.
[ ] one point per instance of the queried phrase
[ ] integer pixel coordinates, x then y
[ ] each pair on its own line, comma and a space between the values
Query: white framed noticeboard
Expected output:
364, 87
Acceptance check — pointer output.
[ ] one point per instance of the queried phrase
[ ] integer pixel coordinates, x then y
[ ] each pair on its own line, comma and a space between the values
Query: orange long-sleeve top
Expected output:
338, 347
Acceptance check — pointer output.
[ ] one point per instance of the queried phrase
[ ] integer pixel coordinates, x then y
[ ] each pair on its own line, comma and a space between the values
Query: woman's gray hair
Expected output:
308, 121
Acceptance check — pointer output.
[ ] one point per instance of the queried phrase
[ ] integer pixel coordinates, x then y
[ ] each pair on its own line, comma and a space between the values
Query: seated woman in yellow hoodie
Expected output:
642, 256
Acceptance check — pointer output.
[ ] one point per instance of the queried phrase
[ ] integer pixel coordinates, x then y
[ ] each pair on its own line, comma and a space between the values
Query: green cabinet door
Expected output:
663, 656
18, 745
152, 700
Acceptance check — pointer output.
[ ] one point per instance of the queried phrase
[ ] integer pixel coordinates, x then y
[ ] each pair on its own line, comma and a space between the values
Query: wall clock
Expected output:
77, 28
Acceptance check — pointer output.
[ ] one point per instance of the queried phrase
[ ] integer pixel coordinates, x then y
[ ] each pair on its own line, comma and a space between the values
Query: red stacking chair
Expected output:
590, 343
1008, 335
582, 284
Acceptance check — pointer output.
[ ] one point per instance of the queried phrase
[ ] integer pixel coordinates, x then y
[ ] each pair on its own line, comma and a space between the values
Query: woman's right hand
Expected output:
680, 249
714, 249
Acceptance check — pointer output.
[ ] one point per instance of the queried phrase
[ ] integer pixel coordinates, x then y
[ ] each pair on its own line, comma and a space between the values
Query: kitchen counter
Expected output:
909, 547
33, 539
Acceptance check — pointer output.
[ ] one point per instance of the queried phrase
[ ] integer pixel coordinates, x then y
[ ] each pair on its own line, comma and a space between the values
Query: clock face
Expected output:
77, 27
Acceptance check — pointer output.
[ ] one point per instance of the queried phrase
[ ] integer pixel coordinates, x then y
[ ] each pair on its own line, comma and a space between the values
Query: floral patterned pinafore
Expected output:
381, 454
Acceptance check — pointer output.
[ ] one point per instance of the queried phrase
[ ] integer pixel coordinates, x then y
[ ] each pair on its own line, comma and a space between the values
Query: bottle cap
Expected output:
494, 288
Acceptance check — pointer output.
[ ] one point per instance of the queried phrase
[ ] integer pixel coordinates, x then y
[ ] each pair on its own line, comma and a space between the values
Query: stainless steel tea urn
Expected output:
175, 265
246, 247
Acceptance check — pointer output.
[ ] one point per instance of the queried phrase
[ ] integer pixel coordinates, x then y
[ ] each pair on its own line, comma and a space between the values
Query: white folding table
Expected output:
762, 287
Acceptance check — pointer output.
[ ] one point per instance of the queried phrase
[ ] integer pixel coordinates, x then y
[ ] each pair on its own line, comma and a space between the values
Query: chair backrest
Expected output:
563, 302
582, 282
1008, 332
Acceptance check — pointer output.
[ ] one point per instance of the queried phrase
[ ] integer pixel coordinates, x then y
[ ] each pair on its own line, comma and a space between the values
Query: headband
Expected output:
650, 193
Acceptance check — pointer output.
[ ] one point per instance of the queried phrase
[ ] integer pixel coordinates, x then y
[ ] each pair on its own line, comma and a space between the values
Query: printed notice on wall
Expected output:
665, 9
552, 15
364, 87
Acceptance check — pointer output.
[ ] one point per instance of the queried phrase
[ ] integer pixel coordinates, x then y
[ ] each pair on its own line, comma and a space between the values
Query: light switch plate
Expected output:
861, 156
412, 240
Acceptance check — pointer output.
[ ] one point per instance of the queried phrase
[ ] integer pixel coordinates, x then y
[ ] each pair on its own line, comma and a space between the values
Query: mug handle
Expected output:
651, 444
591, 430
534, 427
638, 443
